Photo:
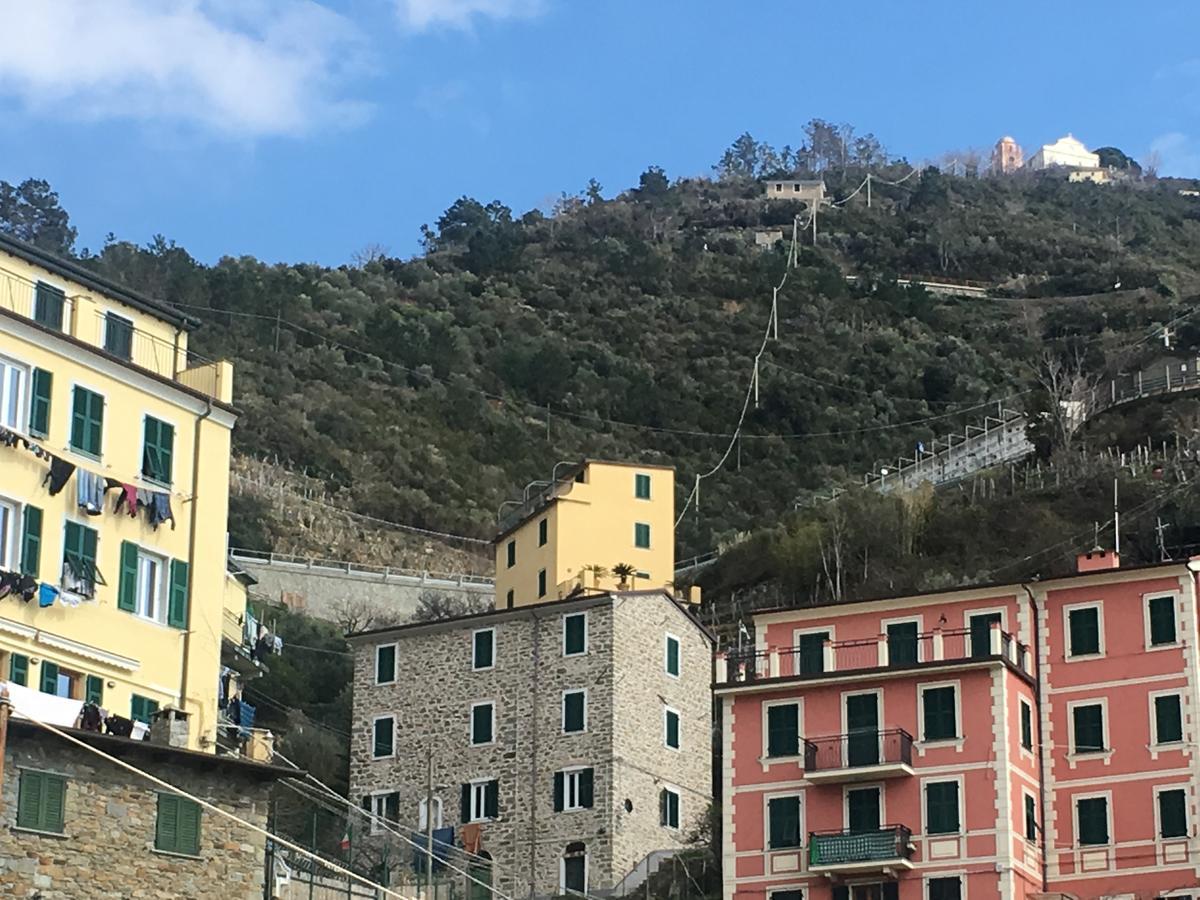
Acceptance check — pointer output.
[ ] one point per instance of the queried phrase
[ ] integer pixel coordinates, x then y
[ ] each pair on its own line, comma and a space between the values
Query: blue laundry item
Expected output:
47, 594
245, 719
89, 492
443, 842
160, 510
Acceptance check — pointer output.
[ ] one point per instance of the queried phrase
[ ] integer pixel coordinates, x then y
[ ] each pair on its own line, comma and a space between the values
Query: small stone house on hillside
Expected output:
807, 190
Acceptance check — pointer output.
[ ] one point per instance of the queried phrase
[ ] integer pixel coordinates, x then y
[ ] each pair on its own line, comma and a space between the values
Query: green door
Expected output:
981, 633
902, 644
862, 810
862, 730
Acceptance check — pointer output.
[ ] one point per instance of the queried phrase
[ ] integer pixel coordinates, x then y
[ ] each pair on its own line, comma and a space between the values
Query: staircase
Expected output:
639, 873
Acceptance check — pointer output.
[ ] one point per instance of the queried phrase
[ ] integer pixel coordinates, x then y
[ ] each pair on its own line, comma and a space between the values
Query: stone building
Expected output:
810, 190
1007, 156
73, 824
573, 737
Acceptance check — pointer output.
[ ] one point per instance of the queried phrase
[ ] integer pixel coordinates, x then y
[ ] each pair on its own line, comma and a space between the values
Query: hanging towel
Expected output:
60, 472
89, 492
46, 595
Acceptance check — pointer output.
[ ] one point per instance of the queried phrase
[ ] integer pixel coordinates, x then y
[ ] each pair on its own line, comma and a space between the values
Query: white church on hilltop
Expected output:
1068, 152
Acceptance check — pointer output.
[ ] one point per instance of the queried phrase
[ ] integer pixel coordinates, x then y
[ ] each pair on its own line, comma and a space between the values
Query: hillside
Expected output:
427, 391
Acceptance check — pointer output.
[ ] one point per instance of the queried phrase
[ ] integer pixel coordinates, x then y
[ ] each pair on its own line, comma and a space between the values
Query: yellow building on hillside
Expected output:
584, 526
114, 492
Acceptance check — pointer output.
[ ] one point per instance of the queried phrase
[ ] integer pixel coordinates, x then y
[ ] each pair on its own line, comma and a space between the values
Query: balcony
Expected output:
861, 756
875, 655
886, 850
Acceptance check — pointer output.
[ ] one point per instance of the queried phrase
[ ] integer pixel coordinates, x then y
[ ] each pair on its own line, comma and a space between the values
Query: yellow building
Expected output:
98, 387
580, 528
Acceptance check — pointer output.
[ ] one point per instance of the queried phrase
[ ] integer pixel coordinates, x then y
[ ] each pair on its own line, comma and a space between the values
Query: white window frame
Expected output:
1155, 743
474, 635
862, 785
668, 711
586, 633
960, 738
828, 660
1068, 656
8, 366
767, 797
1106, 753
563, 710
378, 805
438, 813
879, 717
667, 639
571, 776
1187, 811
905, 620
969, 614
1146, 598
395, 660
471, 723
161, 597
962, 802
478, 799
766, 736
960, 874
672, 789
649, 481
10, 544
1108, 811
376, 720
562, 871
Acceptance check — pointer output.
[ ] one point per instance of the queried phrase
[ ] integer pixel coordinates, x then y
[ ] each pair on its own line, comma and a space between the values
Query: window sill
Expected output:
475, 746
381, 758
95, 457
385, 683
1173, 645
483, 668
768, 760
572, 655
175, 855
941, 744
1084, 657
62, 835
1105, 756
571, 733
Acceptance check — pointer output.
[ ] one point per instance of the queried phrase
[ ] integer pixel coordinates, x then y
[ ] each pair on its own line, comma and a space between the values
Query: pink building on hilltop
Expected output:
1010, 741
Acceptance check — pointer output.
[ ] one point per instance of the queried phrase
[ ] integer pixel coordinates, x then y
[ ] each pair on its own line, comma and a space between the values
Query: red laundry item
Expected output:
472, 837
129, 493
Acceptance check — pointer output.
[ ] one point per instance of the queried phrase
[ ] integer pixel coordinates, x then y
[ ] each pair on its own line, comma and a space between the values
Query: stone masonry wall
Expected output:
107, 848
431, 701
643, 689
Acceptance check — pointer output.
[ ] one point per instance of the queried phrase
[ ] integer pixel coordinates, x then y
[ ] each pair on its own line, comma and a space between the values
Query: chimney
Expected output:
1097, 559
169, 727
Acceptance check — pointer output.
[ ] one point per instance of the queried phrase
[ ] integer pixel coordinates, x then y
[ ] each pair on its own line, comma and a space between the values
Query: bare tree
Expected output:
1070, 393
355, 614
435, 605
372, 252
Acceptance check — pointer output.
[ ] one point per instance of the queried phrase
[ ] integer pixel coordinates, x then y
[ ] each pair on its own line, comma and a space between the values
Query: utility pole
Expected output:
816, 206
429, 821
868, 190
1116, 519
5, 711
1162, 544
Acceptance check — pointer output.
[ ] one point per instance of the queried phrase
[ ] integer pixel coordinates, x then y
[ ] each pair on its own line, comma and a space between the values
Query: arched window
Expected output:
573, 869
423, 823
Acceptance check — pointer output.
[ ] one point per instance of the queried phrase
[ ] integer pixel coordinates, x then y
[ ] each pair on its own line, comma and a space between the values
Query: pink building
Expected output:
1006, 742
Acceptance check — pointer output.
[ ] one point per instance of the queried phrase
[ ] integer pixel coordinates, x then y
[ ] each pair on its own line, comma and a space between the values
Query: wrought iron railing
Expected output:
856, 749
833, 848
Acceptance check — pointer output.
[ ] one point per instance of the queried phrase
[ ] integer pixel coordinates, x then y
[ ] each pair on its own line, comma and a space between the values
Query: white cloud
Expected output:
419, 15
1179, 155
245, 68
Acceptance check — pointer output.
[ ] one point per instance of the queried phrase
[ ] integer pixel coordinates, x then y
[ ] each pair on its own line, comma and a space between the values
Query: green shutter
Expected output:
902, 644
1030, 818
783, 730
586, 788
1026, 726
941, 807
672, 656
672, 729
1089, 728
543, 532
559, 780
491, 800
29, 800
18, 669
641, 535
574, 711
783, 819
31, 541
118, 336
940, 718
542, 583
464, 804
1172, 814
41, 385
574, 634
642, 487
481, 724
812, 652
158, 443
177, 826
94, 690
383, 737
385, 664
1085, 631
189, 827
79, 551
87, 421
1092, 816
511, 554
177, 605
127, 583
142, 708
1168, 719
49, 678
41, 801
48, 303
481, 652
1162, 620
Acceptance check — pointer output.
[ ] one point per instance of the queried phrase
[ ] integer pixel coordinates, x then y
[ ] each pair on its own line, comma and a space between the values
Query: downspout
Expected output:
1041, 746
175, 355
187, 630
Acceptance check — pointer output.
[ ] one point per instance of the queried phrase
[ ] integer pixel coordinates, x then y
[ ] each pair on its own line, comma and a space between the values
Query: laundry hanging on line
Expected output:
59, 474
89, 492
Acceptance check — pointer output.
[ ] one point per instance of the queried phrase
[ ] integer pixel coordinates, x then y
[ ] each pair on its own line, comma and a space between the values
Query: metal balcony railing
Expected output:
857, 749
828, 849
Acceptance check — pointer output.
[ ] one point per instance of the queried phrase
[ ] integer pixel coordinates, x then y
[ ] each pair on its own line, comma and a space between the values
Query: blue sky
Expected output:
294, 130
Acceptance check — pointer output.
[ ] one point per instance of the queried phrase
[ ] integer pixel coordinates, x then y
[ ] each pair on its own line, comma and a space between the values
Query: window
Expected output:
512, 553
93, 690
795, 894
41, 801
543, 532
9, 528
541, 583
574, 711
480, 800
483, 649
87, 421
1168, 719
79, 560
483, 723
641, 535
58, 681
423, 811
142, 708
980, 625
18, 669
941, 718
902, 643
573, 877
13, 381
31, 541
383, 737
1172, 813
48, 302
1161, 611
150, 592
573, 789
812, 652
671, 728
668, 807
783, 729
1089, 728
1026, 725
941, 807
39, 403
509, 599
641, 486
1083, 625
118, 335
385, 664
671, 661
177, 828
1091, 820
783, 822
574, 634
383, 806
1030, 818
158, 446
945, 888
